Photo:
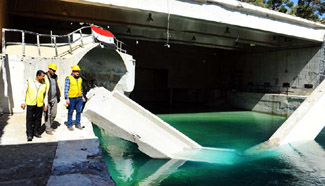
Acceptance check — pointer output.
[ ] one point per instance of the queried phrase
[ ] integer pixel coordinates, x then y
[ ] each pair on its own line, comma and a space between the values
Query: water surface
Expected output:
229, 134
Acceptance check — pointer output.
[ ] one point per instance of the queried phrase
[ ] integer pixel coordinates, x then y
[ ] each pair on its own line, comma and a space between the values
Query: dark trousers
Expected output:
33, 120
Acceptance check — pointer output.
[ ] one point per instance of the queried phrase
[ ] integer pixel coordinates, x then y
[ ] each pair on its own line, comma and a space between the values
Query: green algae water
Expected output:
227, 135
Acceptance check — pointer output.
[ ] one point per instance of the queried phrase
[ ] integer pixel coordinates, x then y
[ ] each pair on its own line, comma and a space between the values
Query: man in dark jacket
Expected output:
54, 93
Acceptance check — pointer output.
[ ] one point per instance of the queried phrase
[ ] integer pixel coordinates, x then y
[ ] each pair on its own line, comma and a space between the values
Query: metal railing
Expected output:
53, 38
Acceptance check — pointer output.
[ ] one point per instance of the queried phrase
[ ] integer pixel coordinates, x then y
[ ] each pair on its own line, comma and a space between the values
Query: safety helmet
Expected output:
75, 68
53, 66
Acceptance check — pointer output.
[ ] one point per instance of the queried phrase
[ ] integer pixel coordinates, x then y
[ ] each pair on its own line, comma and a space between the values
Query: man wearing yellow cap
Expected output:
54, 93
74, 96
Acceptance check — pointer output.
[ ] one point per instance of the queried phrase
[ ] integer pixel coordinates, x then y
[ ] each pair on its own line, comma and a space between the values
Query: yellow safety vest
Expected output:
75, 87
35, 96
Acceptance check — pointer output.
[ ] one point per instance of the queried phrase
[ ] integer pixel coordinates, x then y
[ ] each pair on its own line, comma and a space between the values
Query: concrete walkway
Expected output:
65, 158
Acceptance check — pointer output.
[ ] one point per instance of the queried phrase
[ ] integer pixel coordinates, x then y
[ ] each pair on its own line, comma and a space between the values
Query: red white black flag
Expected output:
103, 36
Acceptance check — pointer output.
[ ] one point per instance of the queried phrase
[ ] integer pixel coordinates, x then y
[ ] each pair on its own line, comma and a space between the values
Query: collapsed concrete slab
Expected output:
124, 118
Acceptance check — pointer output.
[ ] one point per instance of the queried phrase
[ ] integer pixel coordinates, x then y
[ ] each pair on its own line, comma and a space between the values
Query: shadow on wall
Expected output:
268, 72
286, 72
101, 67
6, 102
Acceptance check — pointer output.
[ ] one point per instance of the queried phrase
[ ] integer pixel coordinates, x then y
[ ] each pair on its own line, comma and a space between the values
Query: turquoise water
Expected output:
229, 134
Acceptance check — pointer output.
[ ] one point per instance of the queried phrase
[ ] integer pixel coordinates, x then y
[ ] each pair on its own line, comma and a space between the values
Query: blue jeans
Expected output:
75, 103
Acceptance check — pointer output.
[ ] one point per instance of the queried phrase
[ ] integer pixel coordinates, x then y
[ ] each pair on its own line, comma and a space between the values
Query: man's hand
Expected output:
45, 108
23, 106
83, 99
68, 102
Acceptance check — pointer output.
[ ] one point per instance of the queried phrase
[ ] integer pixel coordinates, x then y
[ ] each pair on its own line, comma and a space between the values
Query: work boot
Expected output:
79, 127
70, 128
49, 132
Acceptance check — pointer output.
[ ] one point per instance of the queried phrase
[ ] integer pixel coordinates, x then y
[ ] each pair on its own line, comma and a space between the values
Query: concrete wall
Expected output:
207, 76
99, 67
295, 66
179, 73
17, 70
252, 72
276, 104
3, 17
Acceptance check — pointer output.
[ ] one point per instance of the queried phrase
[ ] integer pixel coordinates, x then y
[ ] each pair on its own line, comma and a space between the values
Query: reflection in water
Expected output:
151, 173
308, 160
157, 175
293, 164
211, 155
118, 149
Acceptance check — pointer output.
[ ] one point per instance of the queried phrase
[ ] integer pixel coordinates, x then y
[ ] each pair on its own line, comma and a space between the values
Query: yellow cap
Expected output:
75, 68
53, 66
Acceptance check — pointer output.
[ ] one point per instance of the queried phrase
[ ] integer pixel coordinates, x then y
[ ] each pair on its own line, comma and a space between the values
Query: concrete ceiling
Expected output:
154, 26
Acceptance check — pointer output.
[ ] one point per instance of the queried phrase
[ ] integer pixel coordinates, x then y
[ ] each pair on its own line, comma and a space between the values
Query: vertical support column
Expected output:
51, 37
4, 71
38, 45
3, 44
92, 33
81, 38
69, 40
23, 42
56, 48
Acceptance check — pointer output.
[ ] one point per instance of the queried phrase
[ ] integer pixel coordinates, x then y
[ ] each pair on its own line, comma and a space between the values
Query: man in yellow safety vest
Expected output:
73, 94
34, 96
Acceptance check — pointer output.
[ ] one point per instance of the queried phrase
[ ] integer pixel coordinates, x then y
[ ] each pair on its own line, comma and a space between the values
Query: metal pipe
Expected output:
43, 35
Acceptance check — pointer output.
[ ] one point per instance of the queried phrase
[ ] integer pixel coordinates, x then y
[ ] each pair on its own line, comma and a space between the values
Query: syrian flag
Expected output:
103, 36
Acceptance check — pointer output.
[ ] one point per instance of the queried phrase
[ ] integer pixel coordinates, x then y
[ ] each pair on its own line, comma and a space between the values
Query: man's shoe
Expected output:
49, 132
37, 135
79, 127
70, 128
29, 138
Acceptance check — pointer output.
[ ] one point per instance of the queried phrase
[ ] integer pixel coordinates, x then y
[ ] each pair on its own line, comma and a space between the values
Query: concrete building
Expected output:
212, 53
